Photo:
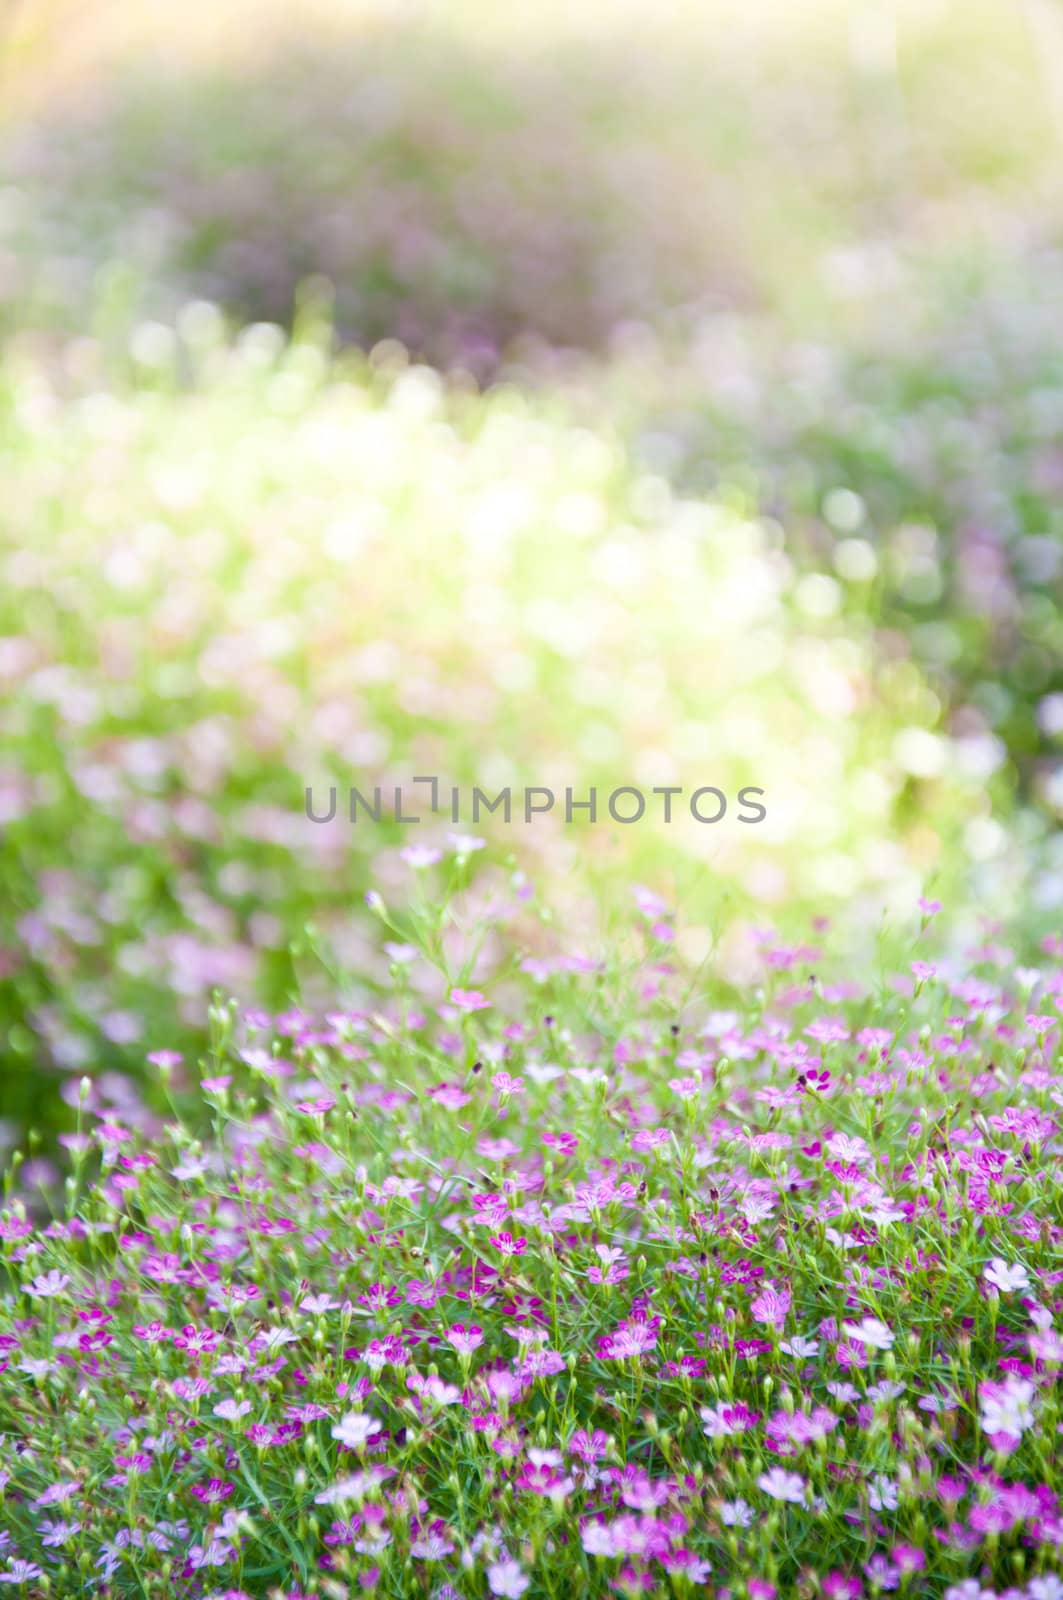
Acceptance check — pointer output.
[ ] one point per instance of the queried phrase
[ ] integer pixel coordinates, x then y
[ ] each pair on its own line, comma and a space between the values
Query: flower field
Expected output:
574, 1284
531, 767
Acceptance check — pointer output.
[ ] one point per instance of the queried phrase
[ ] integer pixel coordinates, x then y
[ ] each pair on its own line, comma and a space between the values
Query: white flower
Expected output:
355, 1429
420, 855
782, 1485
1046, 1345
433, 1546
882, 1493
870, 1331
597, 1539
191, 1167
1006, 1276
800, 1347
1047, 1587
49, 1283
505, 1578
316, 1305
463, 844
37, 1367
350, 1488
1007, 1407
231, 1410
736, 1513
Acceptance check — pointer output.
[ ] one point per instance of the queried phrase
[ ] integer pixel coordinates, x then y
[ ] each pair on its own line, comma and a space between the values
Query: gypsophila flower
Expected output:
468, 1000
355, 1430
506, 1580
882, 1493
47, 1284
781, 1485
1006, 1277
872, 1333
736, 1514
500, 1304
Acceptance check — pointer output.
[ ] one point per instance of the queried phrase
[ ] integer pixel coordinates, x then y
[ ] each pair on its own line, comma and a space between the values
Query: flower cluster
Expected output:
611, 1319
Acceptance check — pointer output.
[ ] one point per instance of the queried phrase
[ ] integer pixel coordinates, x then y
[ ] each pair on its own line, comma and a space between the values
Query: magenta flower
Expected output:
465, 1340
213, 1491
771, 1306
505, 1243
542, 1474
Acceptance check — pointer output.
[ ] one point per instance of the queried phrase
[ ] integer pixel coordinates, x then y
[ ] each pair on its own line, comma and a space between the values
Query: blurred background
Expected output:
569, 395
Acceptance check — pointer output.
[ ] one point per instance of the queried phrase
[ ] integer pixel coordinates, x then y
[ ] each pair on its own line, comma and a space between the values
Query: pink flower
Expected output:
465, 1340
420, 855
849, 1147
908, 1559
468, 1000
771, 1306
451, 1096
542, 1474
507, 1085
509, 1246
213, 1491
725, 1419
838, 1586
630, 1341
589, 1447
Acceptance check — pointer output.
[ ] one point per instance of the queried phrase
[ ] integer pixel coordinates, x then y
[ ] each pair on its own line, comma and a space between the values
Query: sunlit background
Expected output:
561, 395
